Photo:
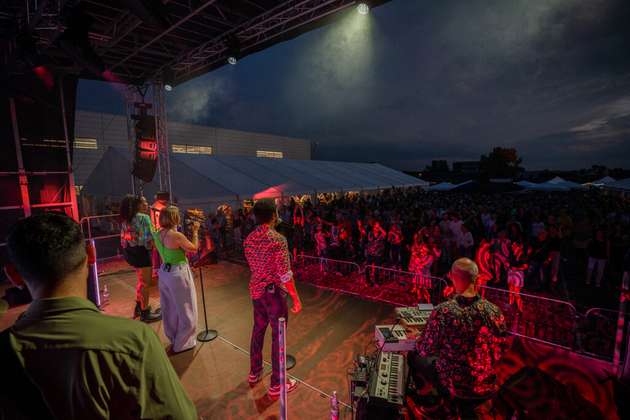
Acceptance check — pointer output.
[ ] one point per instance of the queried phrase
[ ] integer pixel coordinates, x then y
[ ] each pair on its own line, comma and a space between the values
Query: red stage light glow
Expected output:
45, 76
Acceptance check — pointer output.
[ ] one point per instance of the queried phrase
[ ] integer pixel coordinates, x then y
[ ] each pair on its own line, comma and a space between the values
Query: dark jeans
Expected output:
271, 306
371, 276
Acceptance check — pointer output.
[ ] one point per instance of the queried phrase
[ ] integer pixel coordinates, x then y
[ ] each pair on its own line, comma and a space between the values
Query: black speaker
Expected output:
146, 156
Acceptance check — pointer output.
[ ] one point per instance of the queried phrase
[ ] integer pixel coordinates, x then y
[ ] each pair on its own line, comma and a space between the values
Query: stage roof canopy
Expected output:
199, 180
139, 40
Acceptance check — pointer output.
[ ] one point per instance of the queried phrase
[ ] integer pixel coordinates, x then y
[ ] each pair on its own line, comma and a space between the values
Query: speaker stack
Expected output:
146, 147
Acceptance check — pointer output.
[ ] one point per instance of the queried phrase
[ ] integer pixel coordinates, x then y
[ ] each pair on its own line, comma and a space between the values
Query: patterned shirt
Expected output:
267, 254
467, 335
137, 233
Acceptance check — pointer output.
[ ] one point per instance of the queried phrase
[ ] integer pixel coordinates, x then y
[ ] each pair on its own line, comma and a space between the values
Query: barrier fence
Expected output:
381, 284
105, 231
552, 321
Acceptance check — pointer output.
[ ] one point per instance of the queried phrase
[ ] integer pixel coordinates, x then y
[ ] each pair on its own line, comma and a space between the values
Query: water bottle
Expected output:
104, 296
334, 407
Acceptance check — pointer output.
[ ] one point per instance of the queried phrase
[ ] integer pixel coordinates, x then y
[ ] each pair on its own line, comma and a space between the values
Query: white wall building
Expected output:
95, 131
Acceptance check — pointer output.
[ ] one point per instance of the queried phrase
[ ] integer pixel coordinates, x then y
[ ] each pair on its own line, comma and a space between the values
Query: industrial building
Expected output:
95, 132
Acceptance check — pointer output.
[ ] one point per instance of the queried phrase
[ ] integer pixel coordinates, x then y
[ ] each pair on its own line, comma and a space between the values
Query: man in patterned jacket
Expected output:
461, 343
267, 254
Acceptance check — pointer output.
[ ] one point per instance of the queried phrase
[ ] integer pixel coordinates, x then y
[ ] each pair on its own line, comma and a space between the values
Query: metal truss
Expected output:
260, 30
199, 37
161, 125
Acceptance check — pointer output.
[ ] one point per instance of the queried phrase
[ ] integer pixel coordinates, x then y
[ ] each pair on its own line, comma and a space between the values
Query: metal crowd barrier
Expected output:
105, 231
596, 333
551, 321
377, 283
543, 319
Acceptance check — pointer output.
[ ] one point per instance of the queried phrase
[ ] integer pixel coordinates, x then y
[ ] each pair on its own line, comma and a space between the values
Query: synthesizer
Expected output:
388, 381
416, 316
394, 338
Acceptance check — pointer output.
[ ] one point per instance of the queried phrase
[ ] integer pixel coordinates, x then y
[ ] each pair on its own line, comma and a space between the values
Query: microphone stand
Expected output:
207, 334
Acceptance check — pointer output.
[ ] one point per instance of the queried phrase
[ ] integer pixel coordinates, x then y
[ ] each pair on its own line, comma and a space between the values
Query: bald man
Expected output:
460, 345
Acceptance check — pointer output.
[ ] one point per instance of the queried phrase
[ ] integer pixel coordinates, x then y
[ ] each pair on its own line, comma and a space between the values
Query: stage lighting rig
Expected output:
363, 8
233, 49
168, 79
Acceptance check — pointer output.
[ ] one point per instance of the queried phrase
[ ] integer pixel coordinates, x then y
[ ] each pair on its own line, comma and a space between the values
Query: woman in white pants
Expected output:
178, 297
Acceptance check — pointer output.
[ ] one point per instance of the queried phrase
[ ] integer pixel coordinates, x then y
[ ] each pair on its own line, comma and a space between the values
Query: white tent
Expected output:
442, 186
555, 184
200, 180
526, 184
621, 185
607, 180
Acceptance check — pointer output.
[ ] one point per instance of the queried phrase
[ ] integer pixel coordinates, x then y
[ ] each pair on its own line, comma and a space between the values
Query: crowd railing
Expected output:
547, 320
376, 283
596, 333
543, 319
104, 230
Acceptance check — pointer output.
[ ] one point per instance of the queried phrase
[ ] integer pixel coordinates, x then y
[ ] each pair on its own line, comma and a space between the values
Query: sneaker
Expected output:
149, 316
254, 378
274, 391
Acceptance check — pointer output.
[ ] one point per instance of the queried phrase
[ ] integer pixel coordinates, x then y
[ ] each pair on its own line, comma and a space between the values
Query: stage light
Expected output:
168, 79
363, 9
232, 60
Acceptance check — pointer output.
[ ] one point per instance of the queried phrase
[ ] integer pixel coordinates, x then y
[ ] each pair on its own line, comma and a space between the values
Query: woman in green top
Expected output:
178, 297
137, 243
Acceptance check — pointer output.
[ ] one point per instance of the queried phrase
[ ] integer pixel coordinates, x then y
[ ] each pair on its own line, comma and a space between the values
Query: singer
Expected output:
267, 254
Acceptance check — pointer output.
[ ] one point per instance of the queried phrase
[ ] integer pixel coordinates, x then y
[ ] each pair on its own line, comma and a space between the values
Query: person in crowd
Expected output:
238, 227
466, 242
555, 248
517, 267
422, 258
460, 346
178, 297
267, 254
137, 244
539, 260
598, 252
375, 251
64, 358
395, 239
298, 230
321, 242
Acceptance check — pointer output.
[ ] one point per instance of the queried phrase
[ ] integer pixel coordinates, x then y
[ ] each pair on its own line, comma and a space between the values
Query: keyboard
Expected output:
389, 379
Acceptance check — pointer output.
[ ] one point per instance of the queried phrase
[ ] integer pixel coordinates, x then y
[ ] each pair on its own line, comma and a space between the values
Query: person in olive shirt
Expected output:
64, 355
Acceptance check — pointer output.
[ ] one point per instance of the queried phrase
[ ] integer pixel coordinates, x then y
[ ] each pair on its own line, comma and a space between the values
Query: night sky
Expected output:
417, 80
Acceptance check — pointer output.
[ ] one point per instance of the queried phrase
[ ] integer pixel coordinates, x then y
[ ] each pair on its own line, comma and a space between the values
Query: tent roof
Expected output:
621, 185
604, 181
202, 178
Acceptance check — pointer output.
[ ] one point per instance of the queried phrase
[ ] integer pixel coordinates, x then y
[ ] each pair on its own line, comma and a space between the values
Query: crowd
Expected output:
533, 240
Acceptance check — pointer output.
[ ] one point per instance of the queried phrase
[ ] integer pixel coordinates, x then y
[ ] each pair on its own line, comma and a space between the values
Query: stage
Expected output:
332, 329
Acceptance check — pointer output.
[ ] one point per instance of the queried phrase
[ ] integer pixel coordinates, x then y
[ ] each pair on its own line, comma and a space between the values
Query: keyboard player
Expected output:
459, 347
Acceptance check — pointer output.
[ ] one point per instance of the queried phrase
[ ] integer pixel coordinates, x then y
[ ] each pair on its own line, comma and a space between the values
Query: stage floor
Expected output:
325, 337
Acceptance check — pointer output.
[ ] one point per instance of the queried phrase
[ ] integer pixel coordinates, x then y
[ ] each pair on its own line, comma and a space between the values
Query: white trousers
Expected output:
178, 299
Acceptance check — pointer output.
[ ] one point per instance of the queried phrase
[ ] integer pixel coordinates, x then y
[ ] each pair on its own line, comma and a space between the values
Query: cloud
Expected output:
195, 100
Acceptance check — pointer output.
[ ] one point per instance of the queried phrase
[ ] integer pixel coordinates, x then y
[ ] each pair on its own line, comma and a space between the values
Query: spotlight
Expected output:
233, 49
363, 9
168, 79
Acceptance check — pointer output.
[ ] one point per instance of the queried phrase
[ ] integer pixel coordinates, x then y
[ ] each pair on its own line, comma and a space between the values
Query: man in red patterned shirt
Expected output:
461, 344
267, 254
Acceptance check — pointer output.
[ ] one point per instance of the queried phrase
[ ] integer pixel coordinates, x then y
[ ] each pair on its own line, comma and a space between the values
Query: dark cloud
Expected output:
439, 79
